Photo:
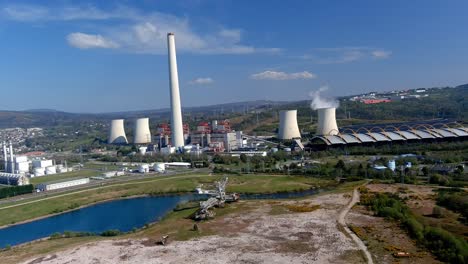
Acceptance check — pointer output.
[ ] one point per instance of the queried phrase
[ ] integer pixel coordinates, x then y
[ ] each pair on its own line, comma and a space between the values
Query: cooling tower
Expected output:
327, 121
288, 128
117, 132
176, 117
141, 133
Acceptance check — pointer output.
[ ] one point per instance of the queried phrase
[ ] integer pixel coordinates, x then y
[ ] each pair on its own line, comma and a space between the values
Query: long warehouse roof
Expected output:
397, 135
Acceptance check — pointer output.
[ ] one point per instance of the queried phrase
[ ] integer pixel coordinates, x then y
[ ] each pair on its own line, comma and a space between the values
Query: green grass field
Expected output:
158, 185
64, 176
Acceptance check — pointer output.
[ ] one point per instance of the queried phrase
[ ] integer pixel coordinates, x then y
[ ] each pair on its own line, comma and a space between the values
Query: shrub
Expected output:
112, 232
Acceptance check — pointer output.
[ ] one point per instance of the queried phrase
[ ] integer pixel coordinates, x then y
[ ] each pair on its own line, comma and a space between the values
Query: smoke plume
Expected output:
320, 101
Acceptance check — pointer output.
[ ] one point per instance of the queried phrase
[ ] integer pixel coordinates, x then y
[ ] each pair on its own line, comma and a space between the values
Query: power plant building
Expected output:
142, 134
13, 179
288, 127
176, 109
327, 121
117, 132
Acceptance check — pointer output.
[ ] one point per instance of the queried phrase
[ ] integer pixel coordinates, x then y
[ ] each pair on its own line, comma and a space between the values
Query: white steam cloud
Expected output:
319, 101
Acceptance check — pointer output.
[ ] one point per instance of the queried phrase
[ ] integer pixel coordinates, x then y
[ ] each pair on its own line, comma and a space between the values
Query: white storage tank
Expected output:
143, 168
50, 170
392, 165
159, 167
142, 150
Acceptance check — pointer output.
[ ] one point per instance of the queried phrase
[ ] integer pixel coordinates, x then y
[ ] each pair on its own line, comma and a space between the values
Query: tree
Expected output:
243, 158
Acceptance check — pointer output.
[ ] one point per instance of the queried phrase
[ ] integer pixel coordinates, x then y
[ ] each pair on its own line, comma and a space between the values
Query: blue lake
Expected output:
123, 215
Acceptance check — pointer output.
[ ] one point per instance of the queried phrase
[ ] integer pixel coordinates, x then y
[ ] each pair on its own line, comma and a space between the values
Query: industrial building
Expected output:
61, 185
391, 134
117, 132
12, 162
142, 134
13, 179
288, 127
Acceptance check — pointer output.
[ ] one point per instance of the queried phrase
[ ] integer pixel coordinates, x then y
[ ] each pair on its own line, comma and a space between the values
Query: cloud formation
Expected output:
88, 41
206, 80
280, 76
345, 55
137, 31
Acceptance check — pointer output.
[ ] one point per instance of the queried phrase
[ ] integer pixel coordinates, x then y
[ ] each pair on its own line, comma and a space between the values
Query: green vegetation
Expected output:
446, 246
65, 176
454, 199
15, 190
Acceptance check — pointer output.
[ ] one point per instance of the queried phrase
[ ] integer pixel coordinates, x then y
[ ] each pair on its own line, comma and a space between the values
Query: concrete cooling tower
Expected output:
327, 121
141, 133
117, 132
288, 128
176, 117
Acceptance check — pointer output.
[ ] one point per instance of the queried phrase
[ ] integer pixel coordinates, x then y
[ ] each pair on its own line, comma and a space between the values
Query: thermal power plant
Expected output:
176, 117
117, 132
327, 122
288, 128
141, 133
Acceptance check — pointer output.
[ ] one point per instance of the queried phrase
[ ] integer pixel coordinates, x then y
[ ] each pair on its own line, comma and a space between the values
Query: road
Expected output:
342, 223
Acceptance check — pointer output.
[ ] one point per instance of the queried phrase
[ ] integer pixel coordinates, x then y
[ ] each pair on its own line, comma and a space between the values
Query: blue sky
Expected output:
106, 56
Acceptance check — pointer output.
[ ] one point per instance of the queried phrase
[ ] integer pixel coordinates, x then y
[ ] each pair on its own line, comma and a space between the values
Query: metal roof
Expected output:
348, 138
422, 134
407, 134
458, 132
364, 138
334, 140
443, 133
393, 136
378, 136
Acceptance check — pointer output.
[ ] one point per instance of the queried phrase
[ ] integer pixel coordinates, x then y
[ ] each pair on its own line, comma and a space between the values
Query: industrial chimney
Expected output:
5, 156
288, 128
176, 117
12, 162
327, 121
141, 133
117, 132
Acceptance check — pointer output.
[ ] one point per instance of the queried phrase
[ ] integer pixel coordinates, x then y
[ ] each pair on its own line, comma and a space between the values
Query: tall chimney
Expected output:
12, 162
176, 117
5, 156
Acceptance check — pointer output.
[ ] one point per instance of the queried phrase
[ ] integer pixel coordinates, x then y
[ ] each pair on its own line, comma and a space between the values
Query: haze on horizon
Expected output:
97, 56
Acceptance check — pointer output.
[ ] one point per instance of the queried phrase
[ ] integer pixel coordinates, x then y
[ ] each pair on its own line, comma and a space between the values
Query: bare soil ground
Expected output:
266, 232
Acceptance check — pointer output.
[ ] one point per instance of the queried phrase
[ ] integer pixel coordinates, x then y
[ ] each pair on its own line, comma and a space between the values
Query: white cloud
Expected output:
279, 76
88, 41
139, 31
381, 54
344, 55
206, 80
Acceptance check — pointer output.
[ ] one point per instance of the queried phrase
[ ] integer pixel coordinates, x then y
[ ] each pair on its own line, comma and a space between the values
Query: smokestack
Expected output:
5, 156
288, 128
12, 162
176, 117
117, 132
327, 121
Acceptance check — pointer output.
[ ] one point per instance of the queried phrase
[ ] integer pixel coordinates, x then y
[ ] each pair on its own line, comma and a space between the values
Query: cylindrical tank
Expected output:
391, 165
142, 134
143, 168
287, 149
50, 170
274, 150
159, 167
39, 172
176, 109
288, 128
117, 132
327, 121
142, 150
